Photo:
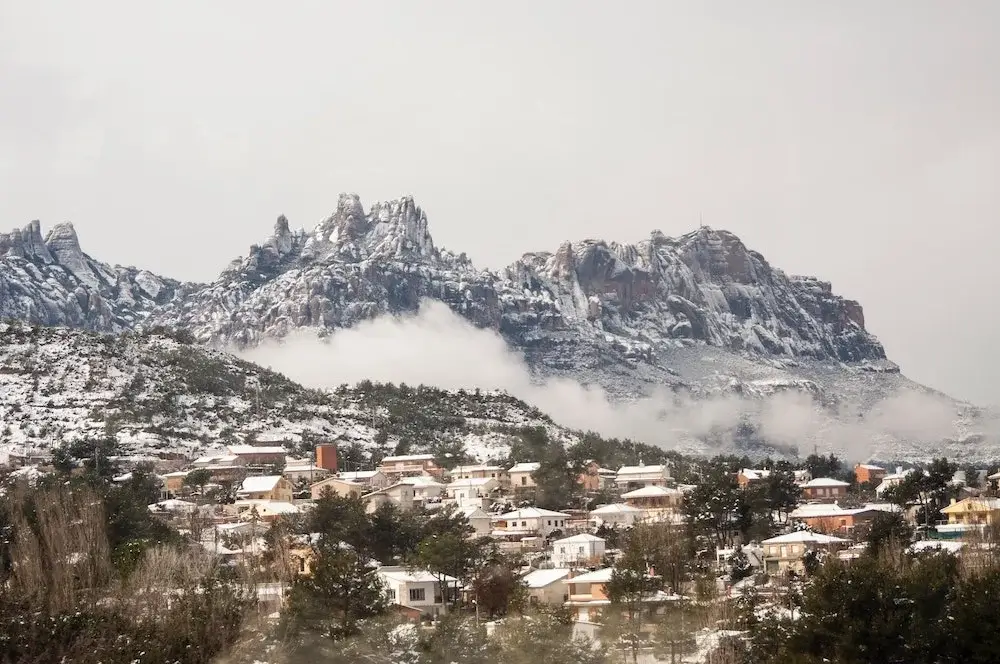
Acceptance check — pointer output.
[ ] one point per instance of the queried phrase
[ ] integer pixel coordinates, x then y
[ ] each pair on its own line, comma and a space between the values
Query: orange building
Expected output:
866, 472
326, 457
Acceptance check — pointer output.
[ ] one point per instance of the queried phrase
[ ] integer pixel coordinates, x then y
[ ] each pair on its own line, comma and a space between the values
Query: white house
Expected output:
636, 477
547, 586
785, 552
893, 479
424, 487
471, 490
373, 479
480, 471
417, 589
520, 475
530, 521
266, 487
581, 550
481, 522
616, 514
399, 494
297, 469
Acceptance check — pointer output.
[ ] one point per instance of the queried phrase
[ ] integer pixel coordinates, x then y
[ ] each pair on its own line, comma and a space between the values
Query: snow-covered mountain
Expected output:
701, 313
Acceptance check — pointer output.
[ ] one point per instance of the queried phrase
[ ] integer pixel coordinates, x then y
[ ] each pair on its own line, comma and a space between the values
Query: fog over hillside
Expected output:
437, 347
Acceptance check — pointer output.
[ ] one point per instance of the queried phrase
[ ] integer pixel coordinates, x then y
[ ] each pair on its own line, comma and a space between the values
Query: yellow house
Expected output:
266, 487
337, 486
969, 511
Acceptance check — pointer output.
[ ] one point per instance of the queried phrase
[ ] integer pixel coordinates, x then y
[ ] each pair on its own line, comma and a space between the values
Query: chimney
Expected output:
326, 457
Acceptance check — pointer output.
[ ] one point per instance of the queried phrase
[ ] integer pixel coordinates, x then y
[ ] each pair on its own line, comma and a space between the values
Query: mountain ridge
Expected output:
700, 313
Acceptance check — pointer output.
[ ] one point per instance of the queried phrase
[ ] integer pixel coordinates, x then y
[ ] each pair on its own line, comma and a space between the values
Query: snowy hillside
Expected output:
161, 397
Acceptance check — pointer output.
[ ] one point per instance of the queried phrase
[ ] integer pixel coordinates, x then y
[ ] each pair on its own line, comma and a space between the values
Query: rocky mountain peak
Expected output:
25, 243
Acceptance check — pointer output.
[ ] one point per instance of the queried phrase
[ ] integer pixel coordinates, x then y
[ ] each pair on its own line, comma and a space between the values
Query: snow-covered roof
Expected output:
259, 483
531, 513
973, 505
408, 457
359, 475
810, 510
804, 537
868, 466
269, 508
615, 508
598, 576
404, 575
528, 467
215, 459
824, 482
581, 538
421, 481
482, 467
471, 482
652, 492
470, 511
173, 505
755, 473
541, 578
950, 546
255, 449
642, 470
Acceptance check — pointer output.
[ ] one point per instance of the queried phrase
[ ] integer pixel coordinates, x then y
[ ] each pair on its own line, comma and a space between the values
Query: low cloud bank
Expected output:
437, 347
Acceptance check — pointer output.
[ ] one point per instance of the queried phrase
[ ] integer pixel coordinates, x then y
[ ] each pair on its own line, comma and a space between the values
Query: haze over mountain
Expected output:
682, 342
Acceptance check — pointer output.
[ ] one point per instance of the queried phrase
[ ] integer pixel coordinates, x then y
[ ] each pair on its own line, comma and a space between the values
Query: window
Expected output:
418, 594
562, 549
524, 524
550, 522
524, 480
580, 550
392, 594
784, 551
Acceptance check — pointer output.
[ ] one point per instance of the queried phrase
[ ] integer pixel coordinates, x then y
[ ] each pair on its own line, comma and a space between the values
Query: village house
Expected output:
747, 476
868, 473
973, 511
481, 472
520, 476
370, 479
481, 522
530, 521
174, 482
629, 478
399, 494
303, 469
654, 497
425, 487
264, 510
785, 552
616, 514
824, 488
222, 467
547, 586
337, 486
893, 479
472, 490
583, 550
409, 465
831, 518
593, 478
417, 589
588, 594
266, 487
258, 456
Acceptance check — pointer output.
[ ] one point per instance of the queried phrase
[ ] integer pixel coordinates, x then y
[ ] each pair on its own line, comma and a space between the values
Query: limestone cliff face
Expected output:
51, 281
595, 304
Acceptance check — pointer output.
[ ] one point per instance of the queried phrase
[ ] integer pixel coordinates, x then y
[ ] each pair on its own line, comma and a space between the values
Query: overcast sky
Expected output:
853, 140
